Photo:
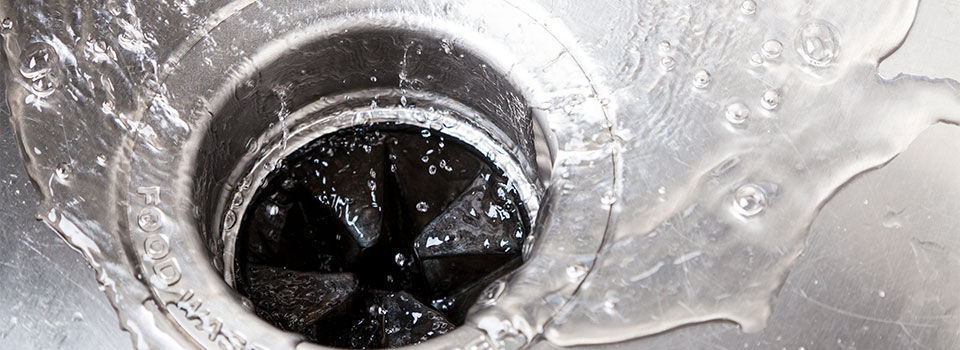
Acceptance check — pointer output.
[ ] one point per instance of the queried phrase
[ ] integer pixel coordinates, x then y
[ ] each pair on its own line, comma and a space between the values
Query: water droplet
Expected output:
493, 291
423, 207
772, 49
37, 60
702, 79
373, 79
229, 219
665, 47
750, 200
63, 171
425, 133
372, 185
737, 113
662, 190
756, 59
882, 294
6, 25
609, 197
102, 160
668, 63
44, 86
399, 259
432, 169
576, 272
273, 210
77, 316
610, 305
817, 43
770, 100
748, 7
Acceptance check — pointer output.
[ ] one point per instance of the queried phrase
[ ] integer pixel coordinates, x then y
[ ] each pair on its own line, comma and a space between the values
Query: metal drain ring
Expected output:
162, 213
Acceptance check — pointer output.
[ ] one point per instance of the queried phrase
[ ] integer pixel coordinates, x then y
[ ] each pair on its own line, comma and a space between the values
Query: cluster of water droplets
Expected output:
716, 241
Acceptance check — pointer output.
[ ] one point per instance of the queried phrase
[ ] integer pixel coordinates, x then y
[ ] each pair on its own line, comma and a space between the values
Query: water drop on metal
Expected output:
229, 219
667, 63
609, 197
772, 49
63, 171
102, 160
576, 272
817, 43
702, 79
737, 113
756, 59
770, 100
423, 207
37, 60
748, 7
665, 47
750, 200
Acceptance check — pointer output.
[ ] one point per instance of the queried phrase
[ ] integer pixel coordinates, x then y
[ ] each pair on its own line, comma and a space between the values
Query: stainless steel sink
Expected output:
702, 174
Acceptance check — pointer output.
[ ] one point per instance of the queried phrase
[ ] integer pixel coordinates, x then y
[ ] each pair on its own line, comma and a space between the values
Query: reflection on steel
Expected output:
684, 159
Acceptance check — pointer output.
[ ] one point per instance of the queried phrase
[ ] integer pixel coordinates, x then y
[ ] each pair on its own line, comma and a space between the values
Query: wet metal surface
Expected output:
879, 269
50, 295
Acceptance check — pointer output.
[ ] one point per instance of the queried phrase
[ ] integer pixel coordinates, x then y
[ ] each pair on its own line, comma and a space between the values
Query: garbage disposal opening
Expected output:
378, 236
362, 189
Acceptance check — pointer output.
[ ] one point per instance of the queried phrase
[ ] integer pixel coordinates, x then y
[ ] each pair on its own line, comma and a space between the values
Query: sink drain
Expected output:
204, 121
377, 236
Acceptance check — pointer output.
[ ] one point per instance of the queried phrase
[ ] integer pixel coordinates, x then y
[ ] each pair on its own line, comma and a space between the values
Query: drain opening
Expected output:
378, 236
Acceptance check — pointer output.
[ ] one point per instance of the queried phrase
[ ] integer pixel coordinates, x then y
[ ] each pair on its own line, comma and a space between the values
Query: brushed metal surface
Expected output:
49, 297
880, 269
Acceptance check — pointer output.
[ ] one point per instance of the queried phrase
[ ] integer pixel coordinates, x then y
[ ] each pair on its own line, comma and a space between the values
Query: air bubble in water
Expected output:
37, 60
756, 59
668, 63
770, 100
6, 25
665, 47
737, 113
772, 49
493, 291
817, 43
748, 7
701, 79
576, 272
63, 171
423, 207
608, 197
610, 305
750, 200
229, 219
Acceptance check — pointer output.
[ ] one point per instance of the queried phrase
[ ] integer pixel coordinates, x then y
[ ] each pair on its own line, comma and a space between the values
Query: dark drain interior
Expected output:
378, 236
